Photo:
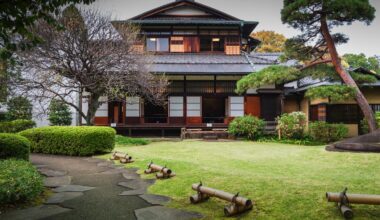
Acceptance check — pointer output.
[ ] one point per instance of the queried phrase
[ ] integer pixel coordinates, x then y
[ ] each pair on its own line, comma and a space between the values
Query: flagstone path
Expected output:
90, 188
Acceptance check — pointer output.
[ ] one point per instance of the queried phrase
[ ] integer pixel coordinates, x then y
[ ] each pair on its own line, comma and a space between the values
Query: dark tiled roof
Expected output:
208, 63
208, 59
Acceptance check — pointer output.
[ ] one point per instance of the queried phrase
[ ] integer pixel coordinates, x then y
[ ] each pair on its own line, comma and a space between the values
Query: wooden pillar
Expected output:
322, 112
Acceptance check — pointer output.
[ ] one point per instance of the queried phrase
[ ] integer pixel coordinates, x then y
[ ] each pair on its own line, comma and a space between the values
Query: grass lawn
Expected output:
284, 181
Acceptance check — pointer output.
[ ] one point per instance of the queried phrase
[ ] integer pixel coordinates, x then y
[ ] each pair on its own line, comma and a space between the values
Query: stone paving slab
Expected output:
133, 192
130, 175
57, 181
164, 213
34, 213
58, 198
155, 199
73, 188
51, 173
136, 184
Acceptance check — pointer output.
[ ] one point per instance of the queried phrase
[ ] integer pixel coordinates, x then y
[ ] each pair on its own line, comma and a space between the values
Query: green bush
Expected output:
14, 146
123, 140
364, 123
247, 126
326, 132
59, 113
16, 126
19, 108
19, 181
291, 126
74, 141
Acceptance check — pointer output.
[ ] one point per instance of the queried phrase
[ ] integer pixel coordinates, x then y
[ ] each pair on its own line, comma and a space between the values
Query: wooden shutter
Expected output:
191, 44
252, 105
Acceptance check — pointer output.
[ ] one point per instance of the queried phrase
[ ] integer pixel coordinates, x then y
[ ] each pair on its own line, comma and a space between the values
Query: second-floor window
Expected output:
212, 44
157, 44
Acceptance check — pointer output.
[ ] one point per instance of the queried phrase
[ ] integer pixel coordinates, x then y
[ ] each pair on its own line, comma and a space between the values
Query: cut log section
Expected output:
238, 204
164, 172
344, 200
122, 157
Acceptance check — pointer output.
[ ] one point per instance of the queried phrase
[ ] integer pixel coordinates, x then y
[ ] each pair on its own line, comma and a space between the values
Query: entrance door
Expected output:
116, 112
155, 113
213, 109
270, 106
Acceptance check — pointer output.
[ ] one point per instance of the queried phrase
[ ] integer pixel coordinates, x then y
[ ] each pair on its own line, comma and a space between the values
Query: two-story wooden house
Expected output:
203, 52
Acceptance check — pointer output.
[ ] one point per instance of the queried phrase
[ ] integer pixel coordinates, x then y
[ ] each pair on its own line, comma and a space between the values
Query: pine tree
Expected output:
316, 19
59, 113
19, 108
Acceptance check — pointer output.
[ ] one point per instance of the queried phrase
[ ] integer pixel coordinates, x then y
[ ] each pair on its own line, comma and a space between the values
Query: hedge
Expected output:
326, 132
16, 126
14, 146
249, 127
70, 140
19, 181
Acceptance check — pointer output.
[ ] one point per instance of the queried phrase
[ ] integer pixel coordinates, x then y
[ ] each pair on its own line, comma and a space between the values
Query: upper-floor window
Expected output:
212, 43
160, 44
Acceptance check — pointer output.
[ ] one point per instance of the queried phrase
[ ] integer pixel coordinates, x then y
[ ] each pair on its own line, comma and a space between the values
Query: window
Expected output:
193, 106
176, 106
233, 41
313, 113
157, 44
344, 113
212, 44
236, 106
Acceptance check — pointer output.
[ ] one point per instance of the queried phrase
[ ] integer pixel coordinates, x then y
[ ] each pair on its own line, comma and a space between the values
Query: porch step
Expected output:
270, 127
214, 134
210, 137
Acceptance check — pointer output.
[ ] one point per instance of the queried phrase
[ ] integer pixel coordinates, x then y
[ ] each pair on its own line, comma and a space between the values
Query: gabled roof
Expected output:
181, 3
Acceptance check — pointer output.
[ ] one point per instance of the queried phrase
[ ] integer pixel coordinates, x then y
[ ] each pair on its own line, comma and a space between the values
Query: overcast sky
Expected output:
363, 38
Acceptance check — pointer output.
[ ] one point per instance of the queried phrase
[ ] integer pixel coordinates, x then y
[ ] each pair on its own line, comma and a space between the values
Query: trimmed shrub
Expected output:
247, 126
123, 140
326, 132
14, 146
291, 126
73, 141
19, 108
364, 123
16, 126
59, 113
19, 181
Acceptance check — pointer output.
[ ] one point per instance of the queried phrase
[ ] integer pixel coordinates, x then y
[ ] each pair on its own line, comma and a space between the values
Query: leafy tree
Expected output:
19, 108
270, 41
316, 18
360, 60
17, 17
90, 58
59, 113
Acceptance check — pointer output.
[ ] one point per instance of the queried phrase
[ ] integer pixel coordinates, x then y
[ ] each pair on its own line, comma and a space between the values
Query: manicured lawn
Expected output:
285, 181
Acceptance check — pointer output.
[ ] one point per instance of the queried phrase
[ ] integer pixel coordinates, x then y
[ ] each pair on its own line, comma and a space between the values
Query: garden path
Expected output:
90, 188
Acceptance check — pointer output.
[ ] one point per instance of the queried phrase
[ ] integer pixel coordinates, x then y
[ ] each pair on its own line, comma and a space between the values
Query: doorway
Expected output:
115, 112
155, 113
213, 109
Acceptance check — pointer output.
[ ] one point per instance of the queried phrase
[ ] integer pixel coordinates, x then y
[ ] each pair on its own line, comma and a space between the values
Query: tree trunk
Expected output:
3, 81
93, 105
346, 77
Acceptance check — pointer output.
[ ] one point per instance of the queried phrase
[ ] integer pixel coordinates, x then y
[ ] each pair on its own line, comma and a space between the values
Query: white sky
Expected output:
363, 38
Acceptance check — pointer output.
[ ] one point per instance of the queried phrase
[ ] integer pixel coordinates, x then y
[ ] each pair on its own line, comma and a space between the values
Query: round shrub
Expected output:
19, 181
291, 126
14, 146
70, 140
247, 126
326, 132
16, 126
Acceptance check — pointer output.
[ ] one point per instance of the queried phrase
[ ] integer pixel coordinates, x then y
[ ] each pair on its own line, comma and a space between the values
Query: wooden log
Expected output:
119, 155
346, 212
354, 198
164, 176
158, 168
222, 195
126, 160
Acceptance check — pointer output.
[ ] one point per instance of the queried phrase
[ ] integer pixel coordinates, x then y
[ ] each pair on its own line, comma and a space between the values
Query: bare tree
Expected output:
89, 56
